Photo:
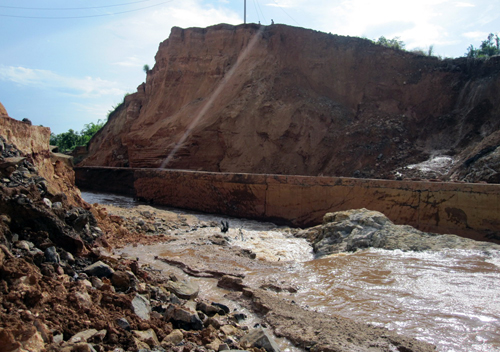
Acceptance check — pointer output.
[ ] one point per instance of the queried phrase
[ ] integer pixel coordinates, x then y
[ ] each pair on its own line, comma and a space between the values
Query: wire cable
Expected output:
262, 13
257, 12
70, 8
282, 9
86, 16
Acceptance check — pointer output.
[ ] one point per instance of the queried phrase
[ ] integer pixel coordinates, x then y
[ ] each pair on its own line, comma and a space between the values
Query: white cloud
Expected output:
132, 61
284, 3
45, 79
150, 28
96, 109
464, 4
476, 35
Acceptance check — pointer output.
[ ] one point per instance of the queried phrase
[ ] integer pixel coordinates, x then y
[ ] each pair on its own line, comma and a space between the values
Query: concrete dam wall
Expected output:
469, 210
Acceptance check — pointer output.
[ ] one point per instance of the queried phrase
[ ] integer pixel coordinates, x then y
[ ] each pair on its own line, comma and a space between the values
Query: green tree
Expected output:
67, 141
394, 43
146, 68
488, 47
89, 131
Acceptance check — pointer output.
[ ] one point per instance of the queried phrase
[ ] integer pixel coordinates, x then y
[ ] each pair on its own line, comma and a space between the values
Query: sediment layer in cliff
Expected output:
286, 100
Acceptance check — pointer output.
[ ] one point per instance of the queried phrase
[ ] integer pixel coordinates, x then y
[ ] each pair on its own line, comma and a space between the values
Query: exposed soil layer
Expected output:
285, 100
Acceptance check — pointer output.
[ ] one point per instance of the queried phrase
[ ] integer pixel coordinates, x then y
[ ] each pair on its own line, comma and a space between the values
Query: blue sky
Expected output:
64, 64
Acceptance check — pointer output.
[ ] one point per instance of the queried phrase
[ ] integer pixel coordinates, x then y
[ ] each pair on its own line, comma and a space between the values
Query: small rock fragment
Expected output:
141, 307
99, 269
51, 255
183, 289
175, 337
260, 338
148, 336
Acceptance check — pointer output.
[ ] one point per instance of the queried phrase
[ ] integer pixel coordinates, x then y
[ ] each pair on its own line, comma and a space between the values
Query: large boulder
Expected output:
350, 230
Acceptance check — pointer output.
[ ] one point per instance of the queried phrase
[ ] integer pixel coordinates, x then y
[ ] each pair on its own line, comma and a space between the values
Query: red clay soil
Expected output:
306, 103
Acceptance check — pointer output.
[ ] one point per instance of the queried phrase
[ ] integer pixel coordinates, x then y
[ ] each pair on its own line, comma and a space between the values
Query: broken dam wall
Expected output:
469, 210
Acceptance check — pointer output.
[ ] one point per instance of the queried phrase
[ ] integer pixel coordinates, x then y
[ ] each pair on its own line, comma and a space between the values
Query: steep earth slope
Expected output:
286, 100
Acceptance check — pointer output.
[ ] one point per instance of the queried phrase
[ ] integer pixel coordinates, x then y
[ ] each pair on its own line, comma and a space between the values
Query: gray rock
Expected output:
57, 339
231, 282
96, 282
260, 338
83, 336
183, 318
148, 336
183, 289
82, 347
123, 323
223, 347
11, 162
51, 255
174, 299
47, 202
26, 245
99, 269
175, 337
67, 256
224, 308
83, 299
141, 307
350, 230
121, 280
208, 309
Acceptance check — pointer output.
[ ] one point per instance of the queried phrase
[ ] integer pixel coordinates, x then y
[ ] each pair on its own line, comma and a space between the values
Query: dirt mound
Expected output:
286, 100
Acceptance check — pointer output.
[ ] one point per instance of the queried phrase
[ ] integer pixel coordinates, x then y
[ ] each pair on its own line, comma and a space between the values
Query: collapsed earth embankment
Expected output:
285, 100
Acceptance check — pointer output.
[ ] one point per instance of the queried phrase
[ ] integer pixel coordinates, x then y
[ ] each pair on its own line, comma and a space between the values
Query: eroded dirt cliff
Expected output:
286, 100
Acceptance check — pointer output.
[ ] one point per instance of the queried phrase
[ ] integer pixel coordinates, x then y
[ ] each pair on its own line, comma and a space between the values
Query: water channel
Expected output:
450, 298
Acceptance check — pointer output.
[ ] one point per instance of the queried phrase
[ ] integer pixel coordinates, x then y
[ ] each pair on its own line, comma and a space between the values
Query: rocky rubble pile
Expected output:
350, 230
61, 290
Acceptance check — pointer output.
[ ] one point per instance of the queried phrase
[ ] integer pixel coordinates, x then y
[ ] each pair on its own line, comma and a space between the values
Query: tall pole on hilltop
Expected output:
245, 11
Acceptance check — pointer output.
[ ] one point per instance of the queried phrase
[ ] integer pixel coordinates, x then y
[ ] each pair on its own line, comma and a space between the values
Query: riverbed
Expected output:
448, 298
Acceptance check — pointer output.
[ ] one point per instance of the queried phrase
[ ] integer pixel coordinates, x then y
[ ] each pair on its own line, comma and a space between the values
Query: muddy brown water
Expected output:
450, 298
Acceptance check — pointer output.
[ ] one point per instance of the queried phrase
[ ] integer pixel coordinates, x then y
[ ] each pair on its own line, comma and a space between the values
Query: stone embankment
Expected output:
469, 210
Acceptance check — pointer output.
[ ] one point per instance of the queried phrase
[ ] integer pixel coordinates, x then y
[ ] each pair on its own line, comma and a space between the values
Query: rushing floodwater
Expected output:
450, 298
